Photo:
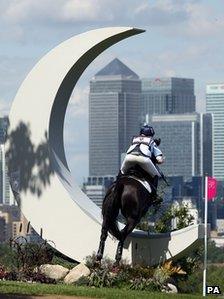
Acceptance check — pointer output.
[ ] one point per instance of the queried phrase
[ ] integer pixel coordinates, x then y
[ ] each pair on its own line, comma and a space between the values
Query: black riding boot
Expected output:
155, 181
156, 199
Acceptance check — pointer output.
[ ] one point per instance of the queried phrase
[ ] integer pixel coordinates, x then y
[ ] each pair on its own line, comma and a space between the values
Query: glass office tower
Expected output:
4, 180
167, 96
183, 137
215, 105
114, 105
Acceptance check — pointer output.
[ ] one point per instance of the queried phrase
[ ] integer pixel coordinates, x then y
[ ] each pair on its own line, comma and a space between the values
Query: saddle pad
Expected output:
143, 182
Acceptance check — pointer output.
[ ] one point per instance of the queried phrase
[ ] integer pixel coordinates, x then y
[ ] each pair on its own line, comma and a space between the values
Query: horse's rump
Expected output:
110, 202
133, 200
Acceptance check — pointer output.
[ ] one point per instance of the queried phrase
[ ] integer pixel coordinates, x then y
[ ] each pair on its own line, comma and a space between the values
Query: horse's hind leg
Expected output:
103, 237
114, 230
131, 223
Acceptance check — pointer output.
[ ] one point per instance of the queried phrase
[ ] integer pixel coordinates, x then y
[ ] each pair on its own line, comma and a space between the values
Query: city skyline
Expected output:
177, 42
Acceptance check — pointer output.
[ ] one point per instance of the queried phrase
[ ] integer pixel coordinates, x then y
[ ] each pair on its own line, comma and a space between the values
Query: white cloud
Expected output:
79, 11
169, 73
204, 20
157, 13
161, 12
18, 11
190, 18
78, 104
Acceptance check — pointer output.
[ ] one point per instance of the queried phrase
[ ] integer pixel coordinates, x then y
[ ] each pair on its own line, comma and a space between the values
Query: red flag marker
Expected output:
212, 188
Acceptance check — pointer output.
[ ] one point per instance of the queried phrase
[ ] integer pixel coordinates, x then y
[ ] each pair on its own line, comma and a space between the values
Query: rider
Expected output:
145, 153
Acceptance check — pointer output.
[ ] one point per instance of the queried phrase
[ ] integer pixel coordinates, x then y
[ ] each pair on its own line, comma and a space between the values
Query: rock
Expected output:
56, 272
76, 273
172, 288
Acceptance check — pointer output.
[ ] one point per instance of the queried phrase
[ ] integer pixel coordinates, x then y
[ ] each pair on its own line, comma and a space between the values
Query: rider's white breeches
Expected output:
144, 162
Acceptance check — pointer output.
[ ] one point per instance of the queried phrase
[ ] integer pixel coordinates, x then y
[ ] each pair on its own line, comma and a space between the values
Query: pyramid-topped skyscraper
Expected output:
114, 104
117, 68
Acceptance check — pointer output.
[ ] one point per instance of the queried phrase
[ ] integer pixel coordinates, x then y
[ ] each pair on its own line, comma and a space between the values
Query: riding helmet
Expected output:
147, 130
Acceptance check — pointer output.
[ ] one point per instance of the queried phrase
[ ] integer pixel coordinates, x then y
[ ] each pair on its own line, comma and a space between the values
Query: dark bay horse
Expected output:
131, 198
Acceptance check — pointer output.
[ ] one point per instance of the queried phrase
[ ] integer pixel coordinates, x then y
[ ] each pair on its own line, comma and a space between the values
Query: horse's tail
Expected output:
110, 211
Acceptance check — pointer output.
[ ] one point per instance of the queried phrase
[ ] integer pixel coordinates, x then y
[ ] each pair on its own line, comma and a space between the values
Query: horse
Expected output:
130, 197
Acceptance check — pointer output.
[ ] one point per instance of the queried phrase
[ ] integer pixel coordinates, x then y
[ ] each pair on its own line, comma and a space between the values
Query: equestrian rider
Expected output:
145, 153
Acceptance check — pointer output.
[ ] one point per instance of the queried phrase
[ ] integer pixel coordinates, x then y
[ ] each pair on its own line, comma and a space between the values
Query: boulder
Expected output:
56, 272
172, 288
76, 273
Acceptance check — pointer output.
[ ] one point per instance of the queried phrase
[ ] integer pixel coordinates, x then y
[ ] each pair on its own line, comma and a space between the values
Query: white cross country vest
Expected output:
141, 145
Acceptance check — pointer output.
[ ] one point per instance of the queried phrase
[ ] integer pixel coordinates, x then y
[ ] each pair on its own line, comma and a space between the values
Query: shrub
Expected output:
181, 213
36, 277
215, 254
90, 261
8, 257
30, 255
3, 272
192, 283
100, 278
20, 258
216, 276
143, 284
161, 276
83, 281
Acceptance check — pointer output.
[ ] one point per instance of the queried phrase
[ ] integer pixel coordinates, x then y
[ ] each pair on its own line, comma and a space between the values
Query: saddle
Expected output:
144, 178
140, 174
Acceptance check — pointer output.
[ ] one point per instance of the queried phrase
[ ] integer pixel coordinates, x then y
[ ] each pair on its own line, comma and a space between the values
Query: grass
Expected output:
21, 288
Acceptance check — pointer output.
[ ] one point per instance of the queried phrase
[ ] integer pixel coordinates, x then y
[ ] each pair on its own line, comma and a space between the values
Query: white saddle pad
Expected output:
143, 182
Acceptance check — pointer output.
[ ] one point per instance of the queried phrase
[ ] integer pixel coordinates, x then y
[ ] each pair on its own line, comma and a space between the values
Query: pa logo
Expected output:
213, 290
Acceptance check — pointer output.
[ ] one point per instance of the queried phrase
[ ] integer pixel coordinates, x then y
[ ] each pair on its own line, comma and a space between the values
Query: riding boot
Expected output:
154, 184
156, 199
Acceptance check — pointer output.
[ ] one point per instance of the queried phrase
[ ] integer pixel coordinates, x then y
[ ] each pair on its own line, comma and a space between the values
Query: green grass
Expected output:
20, 288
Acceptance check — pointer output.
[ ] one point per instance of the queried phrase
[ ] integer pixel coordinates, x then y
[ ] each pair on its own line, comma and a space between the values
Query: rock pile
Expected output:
58, 272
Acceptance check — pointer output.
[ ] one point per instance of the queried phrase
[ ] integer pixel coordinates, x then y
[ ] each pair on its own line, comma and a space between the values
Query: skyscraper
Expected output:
4, 180
114, 105
183, 136
215, 105
167, 96
96, 187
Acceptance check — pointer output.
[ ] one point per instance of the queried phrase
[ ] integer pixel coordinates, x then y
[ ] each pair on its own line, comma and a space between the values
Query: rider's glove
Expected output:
160, 159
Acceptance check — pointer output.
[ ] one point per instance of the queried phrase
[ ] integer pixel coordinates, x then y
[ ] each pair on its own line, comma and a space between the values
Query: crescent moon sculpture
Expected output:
39, 174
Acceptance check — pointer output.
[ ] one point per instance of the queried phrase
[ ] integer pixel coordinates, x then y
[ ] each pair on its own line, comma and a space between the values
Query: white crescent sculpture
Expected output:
39, 174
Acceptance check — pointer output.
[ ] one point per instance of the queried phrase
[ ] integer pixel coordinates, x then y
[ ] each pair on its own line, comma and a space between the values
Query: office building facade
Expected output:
167, 96
215, 105
4, 179
96, 187
114, 105
182, 138
8, 214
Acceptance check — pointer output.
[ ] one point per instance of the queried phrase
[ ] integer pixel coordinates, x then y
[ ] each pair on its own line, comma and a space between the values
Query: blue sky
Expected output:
182, 38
